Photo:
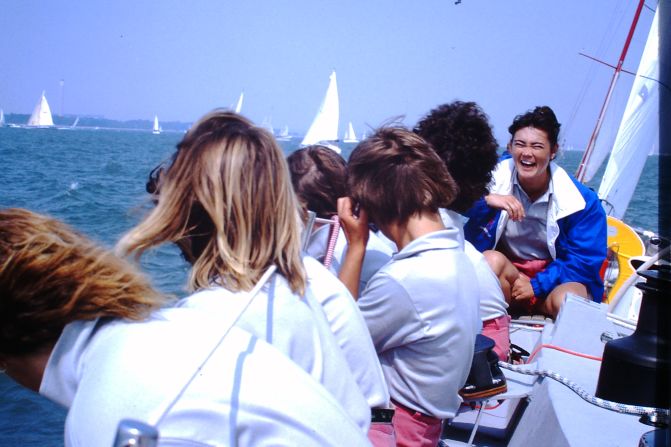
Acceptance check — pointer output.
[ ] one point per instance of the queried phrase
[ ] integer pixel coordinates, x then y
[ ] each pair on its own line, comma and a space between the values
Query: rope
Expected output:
608, 405
333, 238
559, 348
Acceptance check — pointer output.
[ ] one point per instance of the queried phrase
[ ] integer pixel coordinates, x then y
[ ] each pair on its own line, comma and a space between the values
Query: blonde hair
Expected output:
51, 276
227, 201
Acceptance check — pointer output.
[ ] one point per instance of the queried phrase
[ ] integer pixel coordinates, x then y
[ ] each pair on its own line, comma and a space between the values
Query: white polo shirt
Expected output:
351, 333
377, 252
246, 393
492, 302
297, 327
422, 315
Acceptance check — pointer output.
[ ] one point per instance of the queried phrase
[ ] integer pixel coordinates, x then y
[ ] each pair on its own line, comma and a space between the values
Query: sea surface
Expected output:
95, 181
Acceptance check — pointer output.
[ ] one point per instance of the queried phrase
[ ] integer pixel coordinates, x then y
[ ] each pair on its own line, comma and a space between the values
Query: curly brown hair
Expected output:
461, 135
51, 276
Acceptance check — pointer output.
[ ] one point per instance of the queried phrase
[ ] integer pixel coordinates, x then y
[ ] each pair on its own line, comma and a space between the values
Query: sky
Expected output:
131, 59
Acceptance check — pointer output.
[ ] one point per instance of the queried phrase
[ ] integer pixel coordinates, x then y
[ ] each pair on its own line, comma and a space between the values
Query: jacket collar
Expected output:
566, 198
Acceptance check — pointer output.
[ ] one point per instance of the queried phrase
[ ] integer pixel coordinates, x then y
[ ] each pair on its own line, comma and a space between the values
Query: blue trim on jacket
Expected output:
580, 246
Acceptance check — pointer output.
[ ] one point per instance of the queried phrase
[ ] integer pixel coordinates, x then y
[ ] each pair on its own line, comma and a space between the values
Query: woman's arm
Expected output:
356, 232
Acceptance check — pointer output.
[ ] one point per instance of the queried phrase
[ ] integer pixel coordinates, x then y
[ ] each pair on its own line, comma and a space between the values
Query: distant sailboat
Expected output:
2, 118
41, 116
71, 127
238, 106
324, 128
350, 136
284, 134
156, 129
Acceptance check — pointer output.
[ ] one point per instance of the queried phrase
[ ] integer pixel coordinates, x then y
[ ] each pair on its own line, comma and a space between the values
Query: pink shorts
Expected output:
498, 329
415, 429
381, 434
531, 268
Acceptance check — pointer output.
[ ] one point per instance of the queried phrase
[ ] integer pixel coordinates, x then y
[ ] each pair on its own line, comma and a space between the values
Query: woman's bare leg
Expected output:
551, 305
503, 269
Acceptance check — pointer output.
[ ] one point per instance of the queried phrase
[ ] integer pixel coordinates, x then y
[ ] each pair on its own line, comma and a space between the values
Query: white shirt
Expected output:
351, 333
492, 302
246, 393
377, 252
423, 318
298, 328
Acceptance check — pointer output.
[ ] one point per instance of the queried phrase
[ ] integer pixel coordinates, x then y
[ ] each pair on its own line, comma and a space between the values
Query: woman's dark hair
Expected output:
395, 174
543, 118
319, 177
462, 137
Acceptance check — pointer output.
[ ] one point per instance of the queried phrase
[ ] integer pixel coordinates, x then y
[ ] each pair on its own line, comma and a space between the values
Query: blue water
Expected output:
94, 180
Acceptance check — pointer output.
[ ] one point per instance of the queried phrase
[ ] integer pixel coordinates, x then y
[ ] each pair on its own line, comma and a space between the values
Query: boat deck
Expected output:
544, 411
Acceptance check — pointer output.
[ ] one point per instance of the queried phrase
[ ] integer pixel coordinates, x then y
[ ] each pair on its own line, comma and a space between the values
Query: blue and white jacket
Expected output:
576, 230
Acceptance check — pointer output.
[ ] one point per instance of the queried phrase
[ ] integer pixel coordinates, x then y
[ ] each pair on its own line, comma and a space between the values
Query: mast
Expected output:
580, 173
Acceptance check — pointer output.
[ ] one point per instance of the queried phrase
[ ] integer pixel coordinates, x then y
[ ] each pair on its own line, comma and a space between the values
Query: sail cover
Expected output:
325, 125
638, 134
42, 114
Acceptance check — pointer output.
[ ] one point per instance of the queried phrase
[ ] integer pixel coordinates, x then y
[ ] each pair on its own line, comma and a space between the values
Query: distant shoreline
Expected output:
92, 122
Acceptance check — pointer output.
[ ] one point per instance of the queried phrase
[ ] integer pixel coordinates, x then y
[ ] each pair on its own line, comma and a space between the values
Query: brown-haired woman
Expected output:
419, 307
84, 328
319, 176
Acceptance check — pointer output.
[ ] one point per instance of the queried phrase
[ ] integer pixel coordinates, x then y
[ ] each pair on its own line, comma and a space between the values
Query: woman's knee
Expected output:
556, 298
496, 260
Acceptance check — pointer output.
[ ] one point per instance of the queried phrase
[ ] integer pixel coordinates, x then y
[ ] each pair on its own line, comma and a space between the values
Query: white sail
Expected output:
638, 134
284, 134
350, 136
325, 125
156, 129
41, 114
2, 118
604, 143
238, 106
75, 123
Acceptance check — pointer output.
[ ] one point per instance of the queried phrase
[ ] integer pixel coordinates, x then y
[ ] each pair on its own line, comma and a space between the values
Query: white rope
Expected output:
608, 405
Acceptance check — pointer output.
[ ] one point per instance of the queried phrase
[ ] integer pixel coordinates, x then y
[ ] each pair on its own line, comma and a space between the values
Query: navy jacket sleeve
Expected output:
480, 229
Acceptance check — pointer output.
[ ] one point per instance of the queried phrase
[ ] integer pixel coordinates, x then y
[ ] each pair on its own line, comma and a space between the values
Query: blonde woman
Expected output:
226, 200
83, 328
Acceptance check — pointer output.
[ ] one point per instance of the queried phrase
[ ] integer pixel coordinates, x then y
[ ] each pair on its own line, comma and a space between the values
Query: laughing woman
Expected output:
543, 231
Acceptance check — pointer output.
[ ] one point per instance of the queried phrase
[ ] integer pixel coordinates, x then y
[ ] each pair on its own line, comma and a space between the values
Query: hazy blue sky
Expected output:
128, 59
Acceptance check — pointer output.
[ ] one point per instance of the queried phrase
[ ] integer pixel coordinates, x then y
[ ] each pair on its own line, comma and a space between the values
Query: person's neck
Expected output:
416, 226
28, 370
535, 188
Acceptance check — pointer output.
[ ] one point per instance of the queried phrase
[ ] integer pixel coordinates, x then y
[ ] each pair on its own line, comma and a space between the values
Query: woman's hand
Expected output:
507, 203
522, 289
356, 232
355, 227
